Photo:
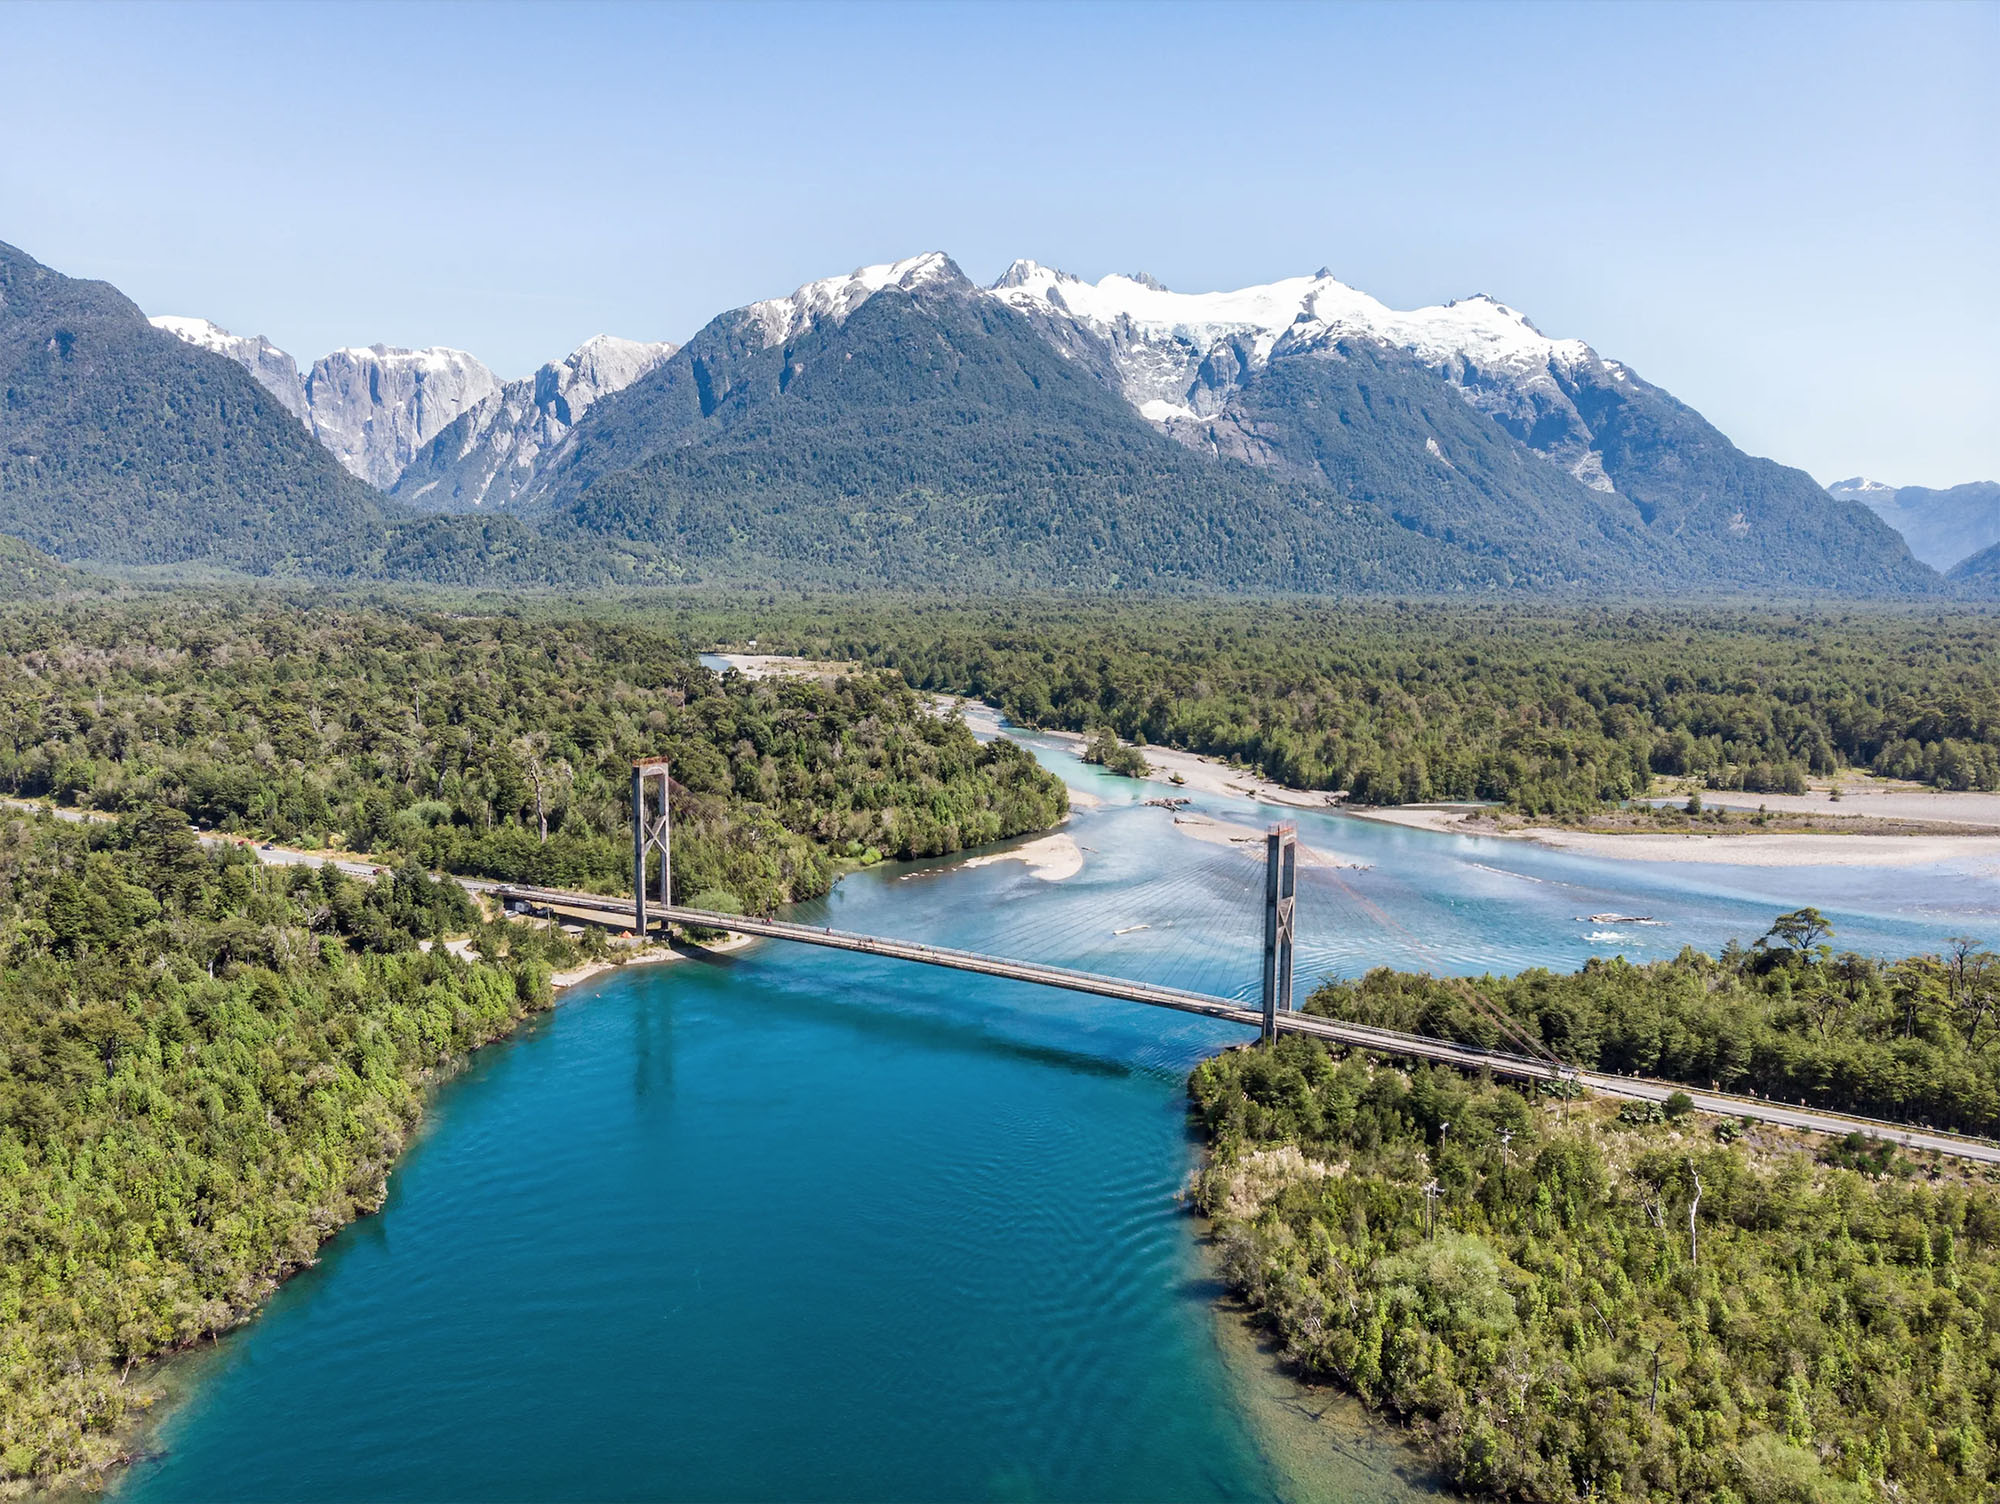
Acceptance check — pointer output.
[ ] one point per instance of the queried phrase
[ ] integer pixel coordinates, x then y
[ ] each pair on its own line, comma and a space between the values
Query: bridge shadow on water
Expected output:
970, 1021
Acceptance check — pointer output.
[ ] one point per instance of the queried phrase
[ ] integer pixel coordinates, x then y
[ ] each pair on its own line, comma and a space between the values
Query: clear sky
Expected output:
1786, 215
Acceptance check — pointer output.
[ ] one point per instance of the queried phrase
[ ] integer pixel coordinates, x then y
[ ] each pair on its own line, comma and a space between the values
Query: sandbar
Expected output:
1051, 858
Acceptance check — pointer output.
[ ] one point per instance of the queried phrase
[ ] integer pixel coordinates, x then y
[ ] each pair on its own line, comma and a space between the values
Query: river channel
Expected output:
798, 1224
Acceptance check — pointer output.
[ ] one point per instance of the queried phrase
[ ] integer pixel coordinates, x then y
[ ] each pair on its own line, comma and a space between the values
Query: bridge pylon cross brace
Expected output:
1281, 889
652, 830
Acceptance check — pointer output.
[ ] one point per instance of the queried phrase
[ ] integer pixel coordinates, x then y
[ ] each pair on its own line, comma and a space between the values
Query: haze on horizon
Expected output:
1784, 215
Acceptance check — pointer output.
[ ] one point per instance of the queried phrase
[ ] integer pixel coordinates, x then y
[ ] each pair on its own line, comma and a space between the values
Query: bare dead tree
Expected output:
1694, 1249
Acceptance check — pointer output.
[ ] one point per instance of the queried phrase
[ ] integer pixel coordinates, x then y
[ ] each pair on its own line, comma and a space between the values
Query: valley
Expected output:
674, 828
1052, 434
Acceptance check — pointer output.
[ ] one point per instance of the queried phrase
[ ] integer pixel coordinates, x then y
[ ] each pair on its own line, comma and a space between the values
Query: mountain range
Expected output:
901, 425
1943, 528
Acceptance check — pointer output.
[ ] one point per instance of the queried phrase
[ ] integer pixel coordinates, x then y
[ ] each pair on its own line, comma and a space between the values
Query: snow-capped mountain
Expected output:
378, 408
1860, 488
1180, 357
900, 423
275, 371
491, 453
1943, 528
832, 299
373, 407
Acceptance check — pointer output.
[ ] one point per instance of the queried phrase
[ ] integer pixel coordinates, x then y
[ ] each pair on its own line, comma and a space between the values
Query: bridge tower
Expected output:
650, 832
1281, 887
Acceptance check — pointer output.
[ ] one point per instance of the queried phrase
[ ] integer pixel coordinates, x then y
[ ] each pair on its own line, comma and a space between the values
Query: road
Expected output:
1358, 1036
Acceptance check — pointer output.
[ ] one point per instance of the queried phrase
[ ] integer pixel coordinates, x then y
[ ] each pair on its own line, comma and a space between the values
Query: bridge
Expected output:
651, 827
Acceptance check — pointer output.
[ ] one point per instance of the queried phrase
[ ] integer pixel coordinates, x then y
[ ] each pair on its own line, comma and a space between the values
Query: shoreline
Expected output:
1859, 848
1051, 857
1213, 832
651, 955
160, 1386
1861, 796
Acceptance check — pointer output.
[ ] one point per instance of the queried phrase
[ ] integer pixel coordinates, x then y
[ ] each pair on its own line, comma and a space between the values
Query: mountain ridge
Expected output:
379, 407
899, 424
1944, 527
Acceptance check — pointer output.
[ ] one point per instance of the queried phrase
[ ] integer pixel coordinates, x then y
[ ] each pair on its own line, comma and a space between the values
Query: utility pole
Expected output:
1432, 1190
1281, 886
650, 832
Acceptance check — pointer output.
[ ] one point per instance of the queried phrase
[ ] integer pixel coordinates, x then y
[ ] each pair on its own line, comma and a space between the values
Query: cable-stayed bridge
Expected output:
1274, 1013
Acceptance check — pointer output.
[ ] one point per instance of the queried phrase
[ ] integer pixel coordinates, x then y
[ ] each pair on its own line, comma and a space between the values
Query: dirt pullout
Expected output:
782, 666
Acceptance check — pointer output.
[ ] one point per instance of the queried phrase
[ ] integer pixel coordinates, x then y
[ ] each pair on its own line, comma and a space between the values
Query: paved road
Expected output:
1362, 1036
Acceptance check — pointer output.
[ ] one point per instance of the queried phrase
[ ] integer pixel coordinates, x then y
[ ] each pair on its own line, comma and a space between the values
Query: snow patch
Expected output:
834, 298
1480, 330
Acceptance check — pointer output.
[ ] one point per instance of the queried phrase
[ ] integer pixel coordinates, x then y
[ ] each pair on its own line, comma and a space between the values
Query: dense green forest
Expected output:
933, 439
1570, 1307
1549, 708
1915, 1040
206, 1067
1570, 1300
491, 745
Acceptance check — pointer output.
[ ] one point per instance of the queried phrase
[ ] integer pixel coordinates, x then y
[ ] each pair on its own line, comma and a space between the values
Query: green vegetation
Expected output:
1551, 710
206, 1067
1916, 1040
935, 439
120, 443
931, 438
26, 573
1107, 752
490, 745
1586, 1302
1567, 1307
1978, 576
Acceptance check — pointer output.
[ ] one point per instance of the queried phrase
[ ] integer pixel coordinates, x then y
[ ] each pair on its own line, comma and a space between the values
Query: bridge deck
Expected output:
1355, 1036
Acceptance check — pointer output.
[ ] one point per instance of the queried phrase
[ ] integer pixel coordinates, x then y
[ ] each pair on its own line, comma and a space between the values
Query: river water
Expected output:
804, 1225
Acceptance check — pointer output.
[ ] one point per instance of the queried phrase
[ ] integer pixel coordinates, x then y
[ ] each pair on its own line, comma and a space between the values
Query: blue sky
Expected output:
1785, 215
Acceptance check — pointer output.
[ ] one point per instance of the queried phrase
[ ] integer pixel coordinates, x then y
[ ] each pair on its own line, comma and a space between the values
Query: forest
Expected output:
491, 745
1549, 709
1915, 1040
1569, 1299
1567, 1306
208, 1064
206, 1067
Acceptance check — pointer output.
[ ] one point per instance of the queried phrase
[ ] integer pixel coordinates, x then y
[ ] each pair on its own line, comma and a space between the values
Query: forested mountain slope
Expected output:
1552, 449
1942, 527
928, 436
121, 443
900, 426
1978, 576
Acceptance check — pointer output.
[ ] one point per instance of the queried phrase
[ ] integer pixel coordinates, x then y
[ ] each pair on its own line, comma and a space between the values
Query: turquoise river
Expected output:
792, 1224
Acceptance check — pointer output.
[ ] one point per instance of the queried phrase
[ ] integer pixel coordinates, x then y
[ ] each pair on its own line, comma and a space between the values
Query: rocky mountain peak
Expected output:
375, 407
833, 299
275, 371
1860, 488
